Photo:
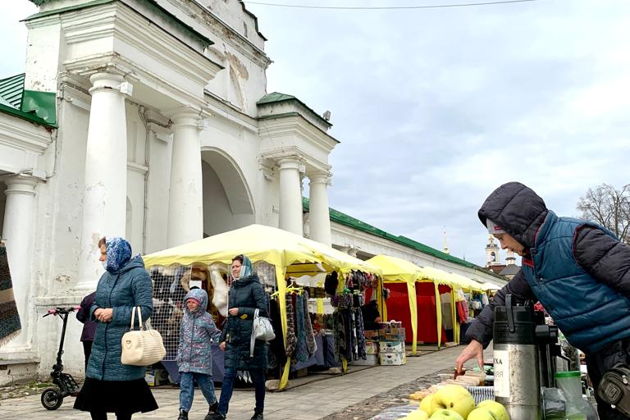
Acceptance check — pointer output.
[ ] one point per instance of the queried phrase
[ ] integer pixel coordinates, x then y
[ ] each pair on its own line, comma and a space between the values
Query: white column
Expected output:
18, 233
185, 208
105, 194
290, 196
319, 211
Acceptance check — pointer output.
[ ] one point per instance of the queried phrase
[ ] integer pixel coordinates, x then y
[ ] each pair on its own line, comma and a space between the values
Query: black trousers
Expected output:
87, 350
598, 363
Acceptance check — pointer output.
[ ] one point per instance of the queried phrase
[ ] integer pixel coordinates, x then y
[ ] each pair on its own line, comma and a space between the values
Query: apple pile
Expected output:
454, 402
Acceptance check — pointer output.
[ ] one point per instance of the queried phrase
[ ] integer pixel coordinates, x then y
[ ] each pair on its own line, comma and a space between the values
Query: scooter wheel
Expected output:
51, 399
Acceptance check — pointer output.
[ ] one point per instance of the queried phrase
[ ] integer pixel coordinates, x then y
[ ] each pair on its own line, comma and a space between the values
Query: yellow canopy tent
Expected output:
396, 270
437, 277
260, 243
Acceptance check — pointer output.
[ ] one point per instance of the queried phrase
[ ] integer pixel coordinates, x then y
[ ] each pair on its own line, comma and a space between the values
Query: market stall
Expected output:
274, 252
424, 288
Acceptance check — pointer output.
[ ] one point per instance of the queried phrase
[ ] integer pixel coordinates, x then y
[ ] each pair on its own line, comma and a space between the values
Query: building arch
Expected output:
227, 198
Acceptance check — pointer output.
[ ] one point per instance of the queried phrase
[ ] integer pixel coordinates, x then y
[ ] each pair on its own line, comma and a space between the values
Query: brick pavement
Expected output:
307, 402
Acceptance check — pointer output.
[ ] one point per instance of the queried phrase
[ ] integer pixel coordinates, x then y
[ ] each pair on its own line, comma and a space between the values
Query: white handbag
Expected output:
261, 330
141, 347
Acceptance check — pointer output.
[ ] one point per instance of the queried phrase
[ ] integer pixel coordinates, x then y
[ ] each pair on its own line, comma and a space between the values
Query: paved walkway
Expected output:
308, 402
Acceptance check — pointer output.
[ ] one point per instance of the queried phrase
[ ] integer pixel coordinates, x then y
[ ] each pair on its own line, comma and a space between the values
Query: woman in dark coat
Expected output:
109, 385
245, 296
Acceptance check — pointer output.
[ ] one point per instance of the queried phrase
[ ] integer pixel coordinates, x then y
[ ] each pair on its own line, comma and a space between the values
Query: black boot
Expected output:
258, 415
183, 415
215, 416
212, 412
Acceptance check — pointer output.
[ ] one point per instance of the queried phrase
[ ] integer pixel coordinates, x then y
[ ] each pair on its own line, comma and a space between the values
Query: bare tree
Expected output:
609, 207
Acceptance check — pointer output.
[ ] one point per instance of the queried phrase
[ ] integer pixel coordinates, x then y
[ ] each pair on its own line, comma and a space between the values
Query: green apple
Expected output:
444, 414
426, 404
453, 397
417, 415
496, 408
480, 413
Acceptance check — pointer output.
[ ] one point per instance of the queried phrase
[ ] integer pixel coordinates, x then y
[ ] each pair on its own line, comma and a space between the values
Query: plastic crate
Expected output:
481, 393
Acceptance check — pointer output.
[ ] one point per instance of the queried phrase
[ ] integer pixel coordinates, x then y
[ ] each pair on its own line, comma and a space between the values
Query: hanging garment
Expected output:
277, 355
301, 351
291, 338
462, 311
9, 318
311, 344
361, 351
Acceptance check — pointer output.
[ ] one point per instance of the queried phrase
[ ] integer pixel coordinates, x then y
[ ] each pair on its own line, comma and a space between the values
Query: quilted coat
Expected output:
246, 294
197, 332
578, 270
120, 289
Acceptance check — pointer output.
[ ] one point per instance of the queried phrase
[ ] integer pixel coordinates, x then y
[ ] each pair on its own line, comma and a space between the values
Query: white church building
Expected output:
150, 119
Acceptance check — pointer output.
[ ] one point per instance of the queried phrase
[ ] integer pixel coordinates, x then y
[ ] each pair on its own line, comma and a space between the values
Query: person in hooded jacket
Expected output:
89, 326
194, 353
109, 385
245, 296
578, 270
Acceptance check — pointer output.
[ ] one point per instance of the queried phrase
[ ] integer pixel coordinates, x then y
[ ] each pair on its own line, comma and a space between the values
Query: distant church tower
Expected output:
492, 252
510, 259
445, 245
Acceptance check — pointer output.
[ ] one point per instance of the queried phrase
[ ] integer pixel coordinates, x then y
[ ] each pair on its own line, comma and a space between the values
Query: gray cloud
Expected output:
436, 108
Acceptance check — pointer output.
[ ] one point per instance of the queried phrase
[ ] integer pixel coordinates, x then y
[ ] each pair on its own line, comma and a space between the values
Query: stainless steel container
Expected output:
516, 374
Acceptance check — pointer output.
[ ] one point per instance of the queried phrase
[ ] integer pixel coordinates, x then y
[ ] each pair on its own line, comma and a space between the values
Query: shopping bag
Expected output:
261, 330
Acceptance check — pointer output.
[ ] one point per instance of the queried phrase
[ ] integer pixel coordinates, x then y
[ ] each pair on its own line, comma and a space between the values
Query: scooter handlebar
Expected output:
58, 311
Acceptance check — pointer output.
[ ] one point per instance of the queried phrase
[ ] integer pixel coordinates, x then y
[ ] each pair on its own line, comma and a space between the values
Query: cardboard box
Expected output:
391, 346
393, 359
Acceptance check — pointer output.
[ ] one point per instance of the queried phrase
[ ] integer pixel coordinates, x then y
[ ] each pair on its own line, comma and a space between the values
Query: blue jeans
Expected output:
258, 376
187, 389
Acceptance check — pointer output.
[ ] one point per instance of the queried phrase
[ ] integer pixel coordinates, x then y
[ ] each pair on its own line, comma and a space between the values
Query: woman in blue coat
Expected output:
245, 296
109, 385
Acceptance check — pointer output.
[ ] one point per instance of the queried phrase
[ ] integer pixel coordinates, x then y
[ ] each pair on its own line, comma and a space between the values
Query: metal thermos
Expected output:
516, 376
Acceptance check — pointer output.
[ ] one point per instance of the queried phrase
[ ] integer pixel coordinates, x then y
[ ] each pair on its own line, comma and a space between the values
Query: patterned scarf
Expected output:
118, 254
246, 268
9, 318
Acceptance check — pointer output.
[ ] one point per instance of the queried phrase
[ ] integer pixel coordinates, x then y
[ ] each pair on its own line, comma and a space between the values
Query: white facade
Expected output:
160, 139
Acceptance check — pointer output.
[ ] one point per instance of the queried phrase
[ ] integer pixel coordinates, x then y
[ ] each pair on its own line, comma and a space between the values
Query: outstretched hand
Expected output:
474, 350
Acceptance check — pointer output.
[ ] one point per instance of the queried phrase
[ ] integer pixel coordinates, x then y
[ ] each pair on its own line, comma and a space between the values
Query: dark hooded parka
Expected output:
578, 270
246, 294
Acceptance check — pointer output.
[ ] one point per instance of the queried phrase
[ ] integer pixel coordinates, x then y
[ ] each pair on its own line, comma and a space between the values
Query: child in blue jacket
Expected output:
194, 354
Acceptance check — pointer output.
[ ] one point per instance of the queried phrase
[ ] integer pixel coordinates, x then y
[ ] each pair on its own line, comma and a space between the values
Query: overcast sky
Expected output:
435, 108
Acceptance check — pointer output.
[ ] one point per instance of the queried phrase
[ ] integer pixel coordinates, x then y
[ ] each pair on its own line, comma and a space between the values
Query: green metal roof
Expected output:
30, 105
277, 97
11, 89
343, 219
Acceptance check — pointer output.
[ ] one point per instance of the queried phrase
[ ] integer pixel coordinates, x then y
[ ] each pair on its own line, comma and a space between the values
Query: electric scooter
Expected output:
66, 385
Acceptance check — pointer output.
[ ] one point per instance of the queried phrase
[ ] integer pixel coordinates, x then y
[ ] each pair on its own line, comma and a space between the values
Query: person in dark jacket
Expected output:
578, 270
194, 352
245, 296
89, 326
109, 385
